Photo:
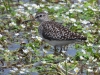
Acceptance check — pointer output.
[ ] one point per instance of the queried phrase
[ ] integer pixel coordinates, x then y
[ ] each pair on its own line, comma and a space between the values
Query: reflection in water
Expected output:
5, 71
71, 52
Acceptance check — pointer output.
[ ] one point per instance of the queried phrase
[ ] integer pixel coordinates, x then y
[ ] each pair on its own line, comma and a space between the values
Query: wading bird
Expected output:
55, 33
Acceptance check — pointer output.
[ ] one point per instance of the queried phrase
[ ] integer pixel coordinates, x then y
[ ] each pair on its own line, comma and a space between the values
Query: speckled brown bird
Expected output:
55, 33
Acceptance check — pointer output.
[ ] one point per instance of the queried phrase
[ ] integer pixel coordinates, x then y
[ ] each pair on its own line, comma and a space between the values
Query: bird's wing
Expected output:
55, 31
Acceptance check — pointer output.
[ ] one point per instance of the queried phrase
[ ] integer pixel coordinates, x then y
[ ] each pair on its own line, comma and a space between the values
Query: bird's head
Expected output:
41, 17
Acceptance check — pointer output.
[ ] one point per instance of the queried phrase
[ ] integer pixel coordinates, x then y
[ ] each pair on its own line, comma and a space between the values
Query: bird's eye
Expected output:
40, 15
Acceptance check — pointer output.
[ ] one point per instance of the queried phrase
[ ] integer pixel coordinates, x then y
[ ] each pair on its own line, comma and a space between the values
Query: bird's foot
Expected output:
56, 53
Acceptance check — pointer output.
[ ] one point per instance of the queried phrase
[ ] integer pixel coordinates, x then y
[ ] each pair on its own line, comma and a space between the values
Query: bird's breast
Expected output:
60, 43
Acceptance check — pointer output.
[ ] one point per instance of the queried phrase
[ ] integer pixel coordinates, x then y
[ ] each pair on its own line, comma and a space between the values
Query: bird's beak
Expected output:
28, 20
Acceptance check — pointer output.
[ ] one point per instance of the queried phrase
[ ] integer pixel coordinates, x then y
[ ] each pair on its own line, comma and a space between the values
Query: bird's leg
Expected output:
55, 50
61, 48
65, 47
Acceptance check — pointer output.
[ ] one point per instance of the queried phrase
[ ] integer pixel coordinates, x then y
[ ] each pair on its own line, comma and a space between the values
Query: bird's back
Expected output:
52, 30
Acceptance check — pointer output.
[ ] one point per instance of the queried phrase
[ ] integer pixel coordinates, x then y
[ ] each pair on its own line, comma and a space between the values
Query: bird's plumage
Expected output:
51, 30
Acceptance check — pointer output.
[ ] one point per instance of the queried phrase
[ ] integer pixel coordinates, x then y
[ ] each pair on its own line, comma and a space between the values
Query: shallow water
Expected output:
13, 46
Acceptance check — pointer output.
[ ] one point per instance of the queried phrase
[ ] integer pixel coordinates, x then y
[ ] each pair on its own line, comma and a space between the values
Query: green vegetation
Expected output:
29, 57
